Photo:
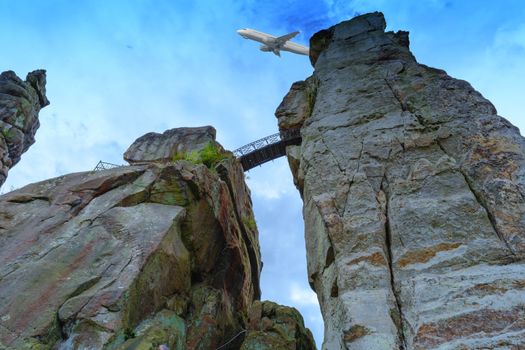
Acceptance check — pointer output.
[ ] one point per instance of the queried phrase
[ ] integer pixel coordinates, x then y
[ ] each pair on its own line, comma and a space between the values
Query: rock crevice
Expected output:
397, 313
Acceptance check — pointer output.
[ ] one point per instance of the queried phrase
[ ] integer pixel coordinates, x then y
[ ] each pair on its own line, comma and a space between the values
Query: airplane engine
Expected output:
265, 48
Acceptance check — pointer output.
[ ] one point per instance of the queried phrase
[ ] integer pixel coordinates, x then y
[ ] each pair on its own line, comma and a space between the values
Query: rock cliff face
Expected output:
20, 102
414, 198
161, 253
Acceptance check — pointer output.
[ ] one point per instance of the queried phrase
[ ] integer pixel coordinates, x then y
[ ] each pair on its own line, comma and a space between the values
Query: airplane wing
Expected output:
285, 38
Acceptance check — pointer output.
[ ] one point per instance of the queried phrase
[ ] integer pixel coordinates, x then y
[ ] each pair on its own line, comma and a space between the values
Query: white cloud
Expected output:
271, 181
302, 296
510, 38
498, 72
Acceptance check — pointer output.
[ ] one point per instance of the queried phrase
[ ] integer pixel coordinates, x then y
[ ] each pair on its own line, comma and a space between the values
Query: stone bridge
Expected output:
253, 154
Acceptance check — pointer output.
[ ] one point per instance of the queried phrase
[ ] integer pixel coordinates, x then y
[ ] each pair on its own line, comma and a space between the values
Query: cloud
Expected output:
510, 40
272, 181
302, 296
498, 72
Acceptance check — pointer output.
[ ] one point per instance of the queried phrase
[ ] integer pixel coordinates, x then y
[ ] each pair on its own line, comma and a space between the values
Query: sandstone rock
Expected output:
157, 255
273, 326
20, 102
154, 147
88, 258
414, 198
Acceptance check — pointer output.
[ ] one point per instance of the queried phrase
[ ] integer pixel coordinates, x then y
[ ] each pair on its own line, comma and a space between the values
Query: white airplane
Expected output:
274, 44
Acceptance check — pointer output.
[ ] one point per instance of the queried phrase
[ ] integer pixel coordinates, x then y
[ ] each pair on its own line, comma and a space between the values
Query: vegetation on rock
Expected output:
210, 155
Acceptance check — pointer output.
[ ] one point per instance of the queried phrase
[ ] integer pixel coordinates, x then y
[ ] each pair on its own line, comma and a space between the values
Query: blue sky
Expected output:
119, 69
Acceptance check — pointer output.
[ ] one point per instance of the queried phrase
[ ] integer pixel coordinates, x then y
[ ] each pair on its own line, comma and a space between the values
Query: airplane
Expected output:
274, 44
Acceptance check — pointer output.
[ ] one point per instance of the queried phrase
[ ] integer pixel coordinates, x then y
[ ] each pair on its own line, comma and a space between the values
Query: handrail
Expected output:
268, 148
285, 135
106, 166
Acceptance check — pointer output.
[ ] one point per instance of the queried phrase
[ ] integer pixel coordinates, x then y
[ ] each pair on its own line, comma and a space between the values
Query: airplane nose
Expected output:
242, 32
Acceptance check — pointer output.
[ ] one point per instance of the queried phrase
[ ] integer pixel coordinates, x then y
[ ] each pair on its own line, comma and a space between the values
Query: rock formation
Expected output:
166, 146
414, 198
164, 252
20, 102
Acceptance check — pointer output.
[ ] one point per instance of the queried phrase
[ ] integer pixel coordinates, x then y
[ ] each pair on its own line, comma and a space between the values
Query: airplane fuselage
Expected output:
274, 44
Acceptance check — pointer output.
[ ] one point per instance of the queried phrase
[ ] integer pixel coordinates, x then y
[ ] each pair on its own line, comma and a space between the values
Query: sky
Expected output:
119, 69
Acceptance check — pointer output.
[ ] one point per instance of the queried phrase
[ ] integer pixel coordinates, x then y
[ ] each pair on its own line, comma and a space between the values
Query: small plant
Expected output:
129, 334
249, 222
178, 156
209, 155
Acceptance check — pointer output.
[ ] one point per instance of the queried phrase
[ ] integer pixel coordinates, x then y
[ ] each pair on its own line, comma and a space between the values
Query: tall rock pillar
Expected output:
20, 103
414, 198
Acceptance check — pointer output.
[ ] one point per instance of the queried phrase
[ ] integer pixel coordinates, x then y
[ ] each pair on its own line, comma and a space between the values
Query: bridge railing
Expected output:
105, 166
255, 145
266, 141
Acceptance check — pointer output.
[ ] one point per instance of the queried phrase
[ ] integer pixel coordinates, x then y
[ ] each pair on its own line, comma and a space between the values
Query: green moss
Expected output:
170, 193
165, 328
129, 334
178, 156
311, 96
266, 340
31, 344
249, 222
20, 120
7, 133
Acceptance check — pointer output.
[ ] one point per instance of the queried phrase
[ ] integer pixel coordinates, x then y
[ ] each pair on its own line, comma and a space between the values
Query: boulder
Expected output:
273, 326
171, 144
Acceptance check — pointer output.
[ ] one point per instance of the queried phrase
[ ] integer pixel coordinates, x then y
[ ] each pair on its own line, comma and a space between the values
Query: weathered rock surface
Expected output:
20, 102
273, 326
414, 198
129, 258
166, 146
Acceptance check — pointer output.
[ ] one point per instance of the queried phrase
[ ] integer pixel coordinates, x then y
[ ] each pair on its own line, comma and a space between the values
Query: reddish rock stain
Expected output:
35, 308
486, 322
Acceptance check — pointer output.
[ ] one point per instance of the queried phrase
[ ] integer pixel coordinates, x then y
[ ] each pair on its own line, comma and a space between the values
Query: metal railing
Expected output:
255, 145
106, 166
266, 149
282, 136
